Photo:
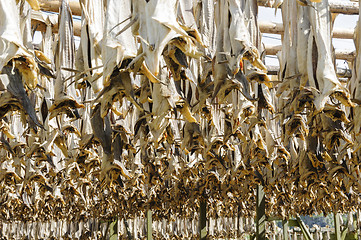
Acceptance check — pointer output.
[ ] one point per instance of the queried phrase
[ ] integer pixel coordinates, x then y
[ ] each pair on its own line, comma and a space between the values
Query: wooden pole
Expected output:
344, 7
149, 225
306, 233
341, 72
265, 27
129, 234
260, 214
285, 229
343, 54
336, 217
203, 220
41, 26
277, 28
53, 6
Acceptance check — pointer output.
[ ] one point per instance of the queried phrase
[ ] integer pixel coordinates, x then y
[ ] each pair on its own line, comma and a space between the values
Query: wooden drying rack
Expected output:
341, 7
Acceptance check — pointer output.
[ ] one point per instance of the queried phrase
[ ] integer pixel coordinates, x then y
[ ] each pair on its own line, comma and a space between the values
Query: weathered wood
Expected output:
260, 214
277, 28
203, 220
41, 26
129, 234
149, 225
285, 229
336, 217
270, 27
265, 27
306, 233
348, 55
53, 6
343, 54
341, 73
344, 33
344, 7
272, 49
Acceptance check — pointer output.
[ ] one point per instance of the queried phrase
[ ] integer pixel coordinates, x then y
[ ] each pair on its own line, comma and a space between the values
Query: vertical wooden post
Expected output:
149, 225
203, 220
306, 233
336, 217
285, 229
113, 230
260, 214
129, 234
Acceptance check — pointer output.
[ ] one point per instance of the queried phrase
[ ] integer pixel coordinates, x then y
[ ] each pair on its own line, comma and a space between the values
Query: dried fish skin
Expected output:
117, 47
65, 104
157, 26
355, 87
90, 41
242, 47
10, 32
12, 46
16, 88
65, 54
327, 81
102, 129
120, 84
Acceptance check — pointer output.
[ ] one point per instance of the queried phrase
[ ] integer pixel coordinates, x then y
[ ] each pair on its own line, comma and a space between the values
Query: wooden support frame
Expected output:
203, 220
53, 6
260, 214
41, 26
304, 229
129, 234
344, 7
341, 72
285, 228
336, 218
149, 225
277, 28
348, 55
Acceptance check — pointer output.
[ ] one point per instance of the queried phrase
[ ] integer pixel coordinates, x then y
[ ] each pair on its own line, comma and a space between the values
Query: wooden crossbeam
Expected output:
341, 73
343, 7
260, 214
149, 225
203, 220
285, 228
343, 54
41, 26
336, 217
277, 28
53, 6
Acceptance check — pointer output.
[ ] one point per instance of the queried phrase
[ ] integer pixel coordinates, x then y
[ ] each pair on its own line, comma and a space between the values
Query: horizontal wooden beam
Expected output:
53, 6
343, 54
277, 28
41, 26
341, 73
343, 7
272, 49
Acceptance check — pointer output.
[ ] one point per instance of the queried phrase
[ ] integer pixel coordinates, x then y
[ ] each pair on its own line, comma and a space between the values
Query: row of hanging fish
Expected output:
168, 103
136, 228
